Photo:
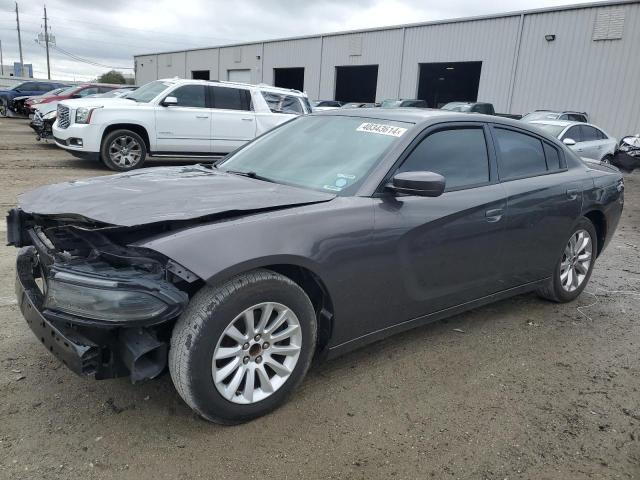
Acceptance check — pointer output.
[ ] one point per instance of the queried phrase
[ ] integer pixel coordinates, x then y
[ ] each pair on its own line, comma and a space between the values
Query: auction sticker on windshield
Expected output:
381, 129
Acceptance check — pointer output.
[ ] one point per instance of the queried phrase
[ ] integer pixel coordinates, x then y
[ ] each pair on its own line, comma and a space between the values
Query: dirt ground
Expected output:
522, 389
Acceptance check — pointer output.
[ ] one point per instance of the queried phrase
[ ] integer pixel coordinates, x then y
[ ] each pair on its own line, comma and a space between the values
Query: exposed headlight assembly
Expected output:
83, 114
113, 301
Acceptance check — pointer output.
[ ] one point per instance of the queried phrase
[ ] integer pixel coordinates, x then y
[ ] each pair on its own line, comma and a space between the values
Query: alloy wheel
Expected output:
576, 260
256, 353
125, 151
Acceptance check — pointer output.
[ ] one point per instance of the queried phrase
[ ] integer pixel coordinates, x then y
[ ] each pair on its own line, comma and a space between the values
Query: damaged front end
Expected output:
103, 308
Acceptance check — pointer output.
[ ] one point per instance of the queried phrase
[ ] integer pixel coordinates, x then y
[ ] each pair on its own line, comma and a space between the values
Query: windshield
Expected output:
327, 153
148, 92
540, 116
554, 130
457, 107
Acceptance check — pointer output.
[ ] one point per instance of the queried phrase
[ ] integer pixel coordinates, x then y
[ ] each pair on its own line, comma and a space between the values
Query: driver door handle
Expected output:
202, 116
494, 215
248, 119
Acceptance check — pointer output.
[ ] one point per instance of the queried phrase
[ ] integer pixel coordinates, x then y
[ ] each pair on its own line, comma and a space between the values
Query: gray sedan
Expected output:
325, 234
585, 139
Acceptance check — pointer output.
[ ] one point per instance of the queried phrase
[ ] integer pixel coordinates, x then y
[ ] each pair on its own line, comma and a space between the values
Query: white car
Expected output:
173, 117
585, 139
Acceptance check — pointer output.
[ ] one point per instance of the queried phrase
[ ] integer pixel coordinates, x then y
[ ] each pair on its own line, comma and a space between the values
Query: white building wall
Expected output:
575, 72
242, 57
491, 41
206, 59
303, 52
382, 48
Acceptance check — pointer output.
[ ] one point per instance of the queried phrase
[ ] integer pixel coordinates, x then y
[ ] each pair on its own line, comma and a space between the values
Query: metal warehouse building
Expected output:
584, 57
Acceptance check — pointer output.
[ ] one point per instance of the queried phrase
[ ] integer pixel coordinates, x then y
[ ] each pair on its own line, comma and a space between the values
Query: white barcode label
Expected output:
382, 129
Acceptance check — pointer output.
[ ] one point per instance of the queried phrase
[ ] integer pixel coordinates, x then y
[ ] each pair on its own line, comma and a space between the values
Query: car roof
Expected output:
261, 86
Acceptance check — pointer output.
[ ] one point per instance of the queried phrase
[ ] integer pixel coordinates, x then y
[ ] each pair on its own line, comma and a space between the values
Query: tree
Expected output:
112, 77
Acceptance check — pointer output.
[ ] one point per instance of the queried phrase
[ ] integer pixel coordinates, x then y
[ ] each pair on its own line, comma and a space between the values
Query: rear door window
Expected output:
227, 98
554, 161
589, 134
519, 155
281, 103
459, 155
87, 91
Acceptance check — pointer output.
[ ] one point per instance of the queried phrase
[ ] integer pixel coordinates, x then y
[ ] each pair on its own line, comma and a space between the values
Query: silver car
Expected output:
585, 139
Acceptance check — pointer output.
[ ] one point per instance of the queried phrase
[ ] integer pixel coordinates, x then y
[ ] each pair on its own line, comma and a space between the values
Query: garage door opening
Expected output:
441, 83
289, 78
240, 76
356, 84
200, 74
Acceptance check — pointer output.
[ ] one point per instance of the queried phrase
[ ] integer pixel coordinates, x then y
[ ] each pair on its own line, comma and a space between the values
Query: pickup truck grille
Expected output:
63, 116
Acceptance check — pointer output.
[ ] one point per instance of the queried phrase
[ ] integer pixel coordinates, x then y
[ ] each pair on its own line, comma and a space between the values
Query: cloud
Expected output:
111, 32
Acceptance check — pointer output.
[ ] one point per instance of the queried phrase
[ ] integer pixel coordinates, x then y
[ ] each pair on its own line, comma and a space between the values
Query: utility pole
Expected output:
1, 64
19, 42
46, 41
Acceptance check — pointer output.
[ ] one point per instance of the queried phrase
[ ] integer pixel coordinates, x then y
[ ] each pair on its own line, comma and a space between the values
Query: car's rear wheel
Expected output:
123, 150
573, 269
240, 349
3, 108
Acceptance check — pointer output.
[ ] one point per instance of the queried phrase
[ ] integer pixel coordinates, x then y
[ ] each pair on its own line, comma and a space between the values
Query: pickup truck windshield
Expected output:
148, 92
327, 153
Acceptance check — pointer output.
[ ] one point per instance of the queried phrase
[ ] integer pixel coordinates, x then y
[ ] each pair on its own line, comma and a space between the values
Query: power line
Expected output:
87, 61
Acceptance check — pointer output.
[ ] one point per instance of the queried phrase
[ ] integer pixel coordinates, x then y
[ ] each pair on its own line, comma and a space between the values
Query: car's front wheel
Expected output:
607, 158
574, 267
123, 150
240, 349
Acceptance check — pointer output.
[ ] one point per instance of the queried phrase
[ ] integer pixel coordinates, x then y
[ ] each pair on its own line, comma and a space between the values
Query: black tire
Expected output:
201, 326
114, 136
554, 291
3, 108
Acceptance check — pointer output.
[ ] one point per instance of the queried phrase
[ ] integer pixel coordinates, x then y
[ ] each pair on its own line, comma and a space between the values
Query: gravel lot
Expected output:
522, 389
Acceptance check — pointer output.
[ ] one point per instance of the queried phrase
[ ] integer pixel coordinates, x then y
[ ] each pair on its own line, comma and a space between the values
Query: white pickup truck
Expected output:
173, 117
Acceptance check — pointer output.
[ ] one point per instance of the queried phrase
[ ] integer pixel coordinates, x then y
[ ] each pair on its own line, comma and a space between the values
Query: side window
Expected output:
230, 98
29, 87
564, 116
520, 155
88, 91
553, 157
589, 134
190, 96
574, 133
459, 155
601, 135
279, 103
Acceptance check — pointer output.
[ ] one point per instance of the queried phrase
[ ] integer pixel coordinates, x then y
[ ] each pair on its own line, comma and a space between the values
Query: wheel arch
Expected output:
134, 127
302, 273
599, 221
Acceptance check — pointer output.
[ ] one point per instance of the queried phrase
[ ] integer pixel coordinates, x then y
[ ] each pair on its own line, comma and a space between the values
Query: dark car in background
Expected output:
326, 233
24, 89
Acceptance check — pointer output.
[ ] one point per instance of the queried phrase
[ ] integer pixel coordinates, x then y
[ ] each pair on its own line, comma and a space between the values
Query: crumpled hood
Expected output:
162, 194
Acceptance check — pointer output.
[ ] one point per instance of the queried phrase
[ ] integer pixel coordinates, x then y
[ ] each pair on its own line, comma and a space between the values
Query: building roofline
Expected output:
577, 6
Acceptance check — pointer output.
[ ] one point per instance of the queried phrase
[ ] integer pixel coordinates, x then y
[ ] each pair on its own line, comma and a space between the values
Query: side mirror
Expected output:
569, 142
422, 184
168, 101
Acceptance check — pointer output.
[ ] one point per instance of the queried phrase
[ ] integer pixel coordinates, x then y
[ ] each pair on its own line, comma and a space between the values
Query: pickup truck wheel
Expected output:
123, 150
240, 349
574, 267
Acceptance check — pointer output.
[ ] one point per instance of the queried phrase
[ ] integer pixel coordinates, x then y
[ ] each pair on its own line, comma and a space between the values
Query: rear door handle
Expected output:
202, 116
494, 215
572, 193
248, 119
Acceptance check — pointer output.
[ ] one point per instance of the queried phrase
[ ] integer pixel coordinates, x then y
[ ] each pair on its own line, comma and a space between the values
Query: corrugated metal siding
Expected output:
243, 57
203, 60
575, 72
491, 41
382, 48
171, 65
295, 53
146, 69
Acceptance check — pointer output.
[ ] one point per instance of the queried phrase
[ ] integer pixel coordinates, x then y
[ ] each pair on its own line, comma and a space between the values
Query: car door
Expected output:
593, 144
438, 252
543, 200
186, 126
233, 121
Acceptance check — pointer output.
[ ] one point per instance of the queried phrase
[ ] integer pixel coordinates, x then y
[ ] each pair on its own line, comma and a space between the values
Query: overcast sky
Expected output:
110, 32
